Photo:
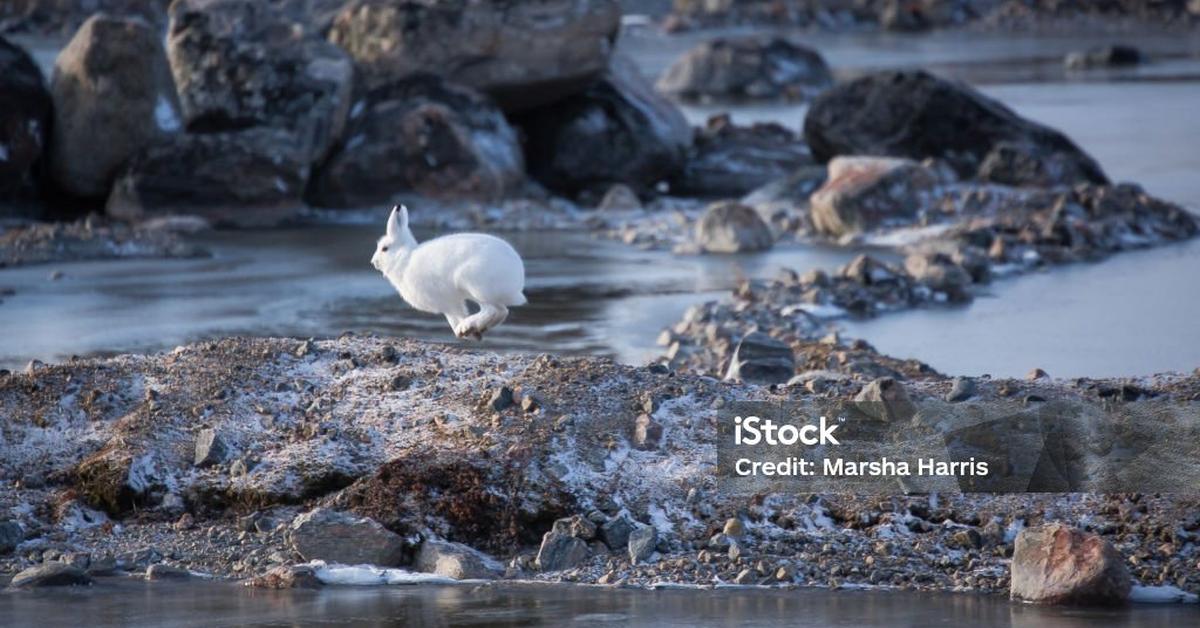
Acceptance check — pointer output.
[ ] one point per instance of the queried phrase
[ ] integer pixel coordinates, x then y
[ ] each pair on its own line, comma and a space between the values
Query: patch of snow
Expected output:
1162, 594
369, 575
1013, 529
819, 310
908, 236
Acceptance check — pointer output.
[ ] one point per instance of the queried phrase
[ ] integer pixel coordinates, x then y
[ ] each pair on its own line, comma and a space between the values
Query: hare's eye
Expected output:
384, 249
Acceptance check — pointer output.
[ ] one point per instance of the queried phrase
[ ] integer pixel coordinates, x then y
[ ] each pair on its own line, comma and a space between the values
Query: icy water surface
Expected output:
212, 605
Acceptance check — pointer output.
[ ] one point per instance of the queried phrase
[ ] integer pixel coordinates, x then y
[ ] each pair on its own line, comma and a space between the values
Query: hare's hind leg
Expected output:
488, 316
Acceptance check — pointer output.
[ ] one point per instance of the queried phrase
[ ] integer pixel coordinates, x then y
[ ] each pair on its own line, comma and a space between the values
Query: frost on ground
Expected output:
104, 464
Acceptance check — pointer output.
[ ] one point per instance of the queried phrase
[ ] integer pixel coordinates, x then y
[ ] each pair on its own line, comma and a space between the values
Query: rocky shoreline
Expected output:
212, 458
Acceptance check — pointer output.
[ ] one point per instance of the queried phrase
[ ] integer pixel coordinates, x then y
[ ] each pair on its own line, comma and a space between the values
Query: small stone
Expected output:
730, 227
288, 577
185, 522
968, 538
736, 550
210, 449
608, 578
745, 576
886, 400
576, 526
51, 574
1036, 374
529, 403
962, 389
647, 433
734, 528
642, 542
166, 572
619, 197
761, 359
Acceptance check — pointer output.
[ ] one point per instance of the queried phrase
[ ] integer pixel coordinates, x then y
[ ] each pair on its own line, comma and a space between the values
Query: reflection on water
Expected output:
174, 605
585, 295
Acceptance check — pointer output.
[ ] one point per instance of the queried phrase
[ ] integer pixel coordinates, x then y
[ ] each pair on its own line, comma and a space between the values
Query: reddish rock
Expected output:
1057, 564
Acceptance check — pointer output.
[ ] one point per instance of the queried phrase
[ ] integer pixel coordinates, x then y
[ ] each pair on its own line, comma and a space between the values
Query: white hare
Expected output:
441, 275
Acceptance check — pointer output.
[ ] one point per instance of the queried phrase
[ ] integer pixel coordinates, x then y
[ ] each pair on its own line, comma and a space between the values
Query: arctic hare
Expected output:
441, 275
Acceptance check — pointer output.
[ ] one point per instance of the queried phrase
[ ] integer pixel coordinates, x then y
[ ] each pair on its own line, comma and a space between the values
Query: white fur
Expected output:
441, 275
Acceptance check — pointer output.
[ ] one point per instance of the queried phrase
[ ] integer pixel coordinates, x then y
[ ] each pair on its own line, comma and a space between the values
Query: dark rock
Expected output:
730, 227
1057, 564
642, 542
523, 53
866, 193
421, 134
455, 560
761, 359
501, 399
209, 448
615, 532
962, 389
1104, 57
243, 178
159, 571
25, 115
917, 115
113, 95
746, 68
339, 537
618, 130
729, 160
243, 63
50, 574
11, 535
560, 551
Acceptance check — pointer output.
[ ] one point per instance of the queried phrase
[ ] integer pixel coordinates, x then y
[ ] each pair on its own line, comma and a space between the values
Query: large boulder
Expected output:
747, 68
730, 227
865, 193
422, 134
616, 131
241, 63
25, 110
915, 114
560, 551
730, 160
113, 94
1057, 564
338, 537
247, 178
522, 53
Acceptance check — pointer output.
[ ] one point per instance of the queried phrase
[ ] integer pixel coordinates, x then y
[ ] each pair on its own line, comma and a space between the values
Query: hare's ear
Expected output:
397, 221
